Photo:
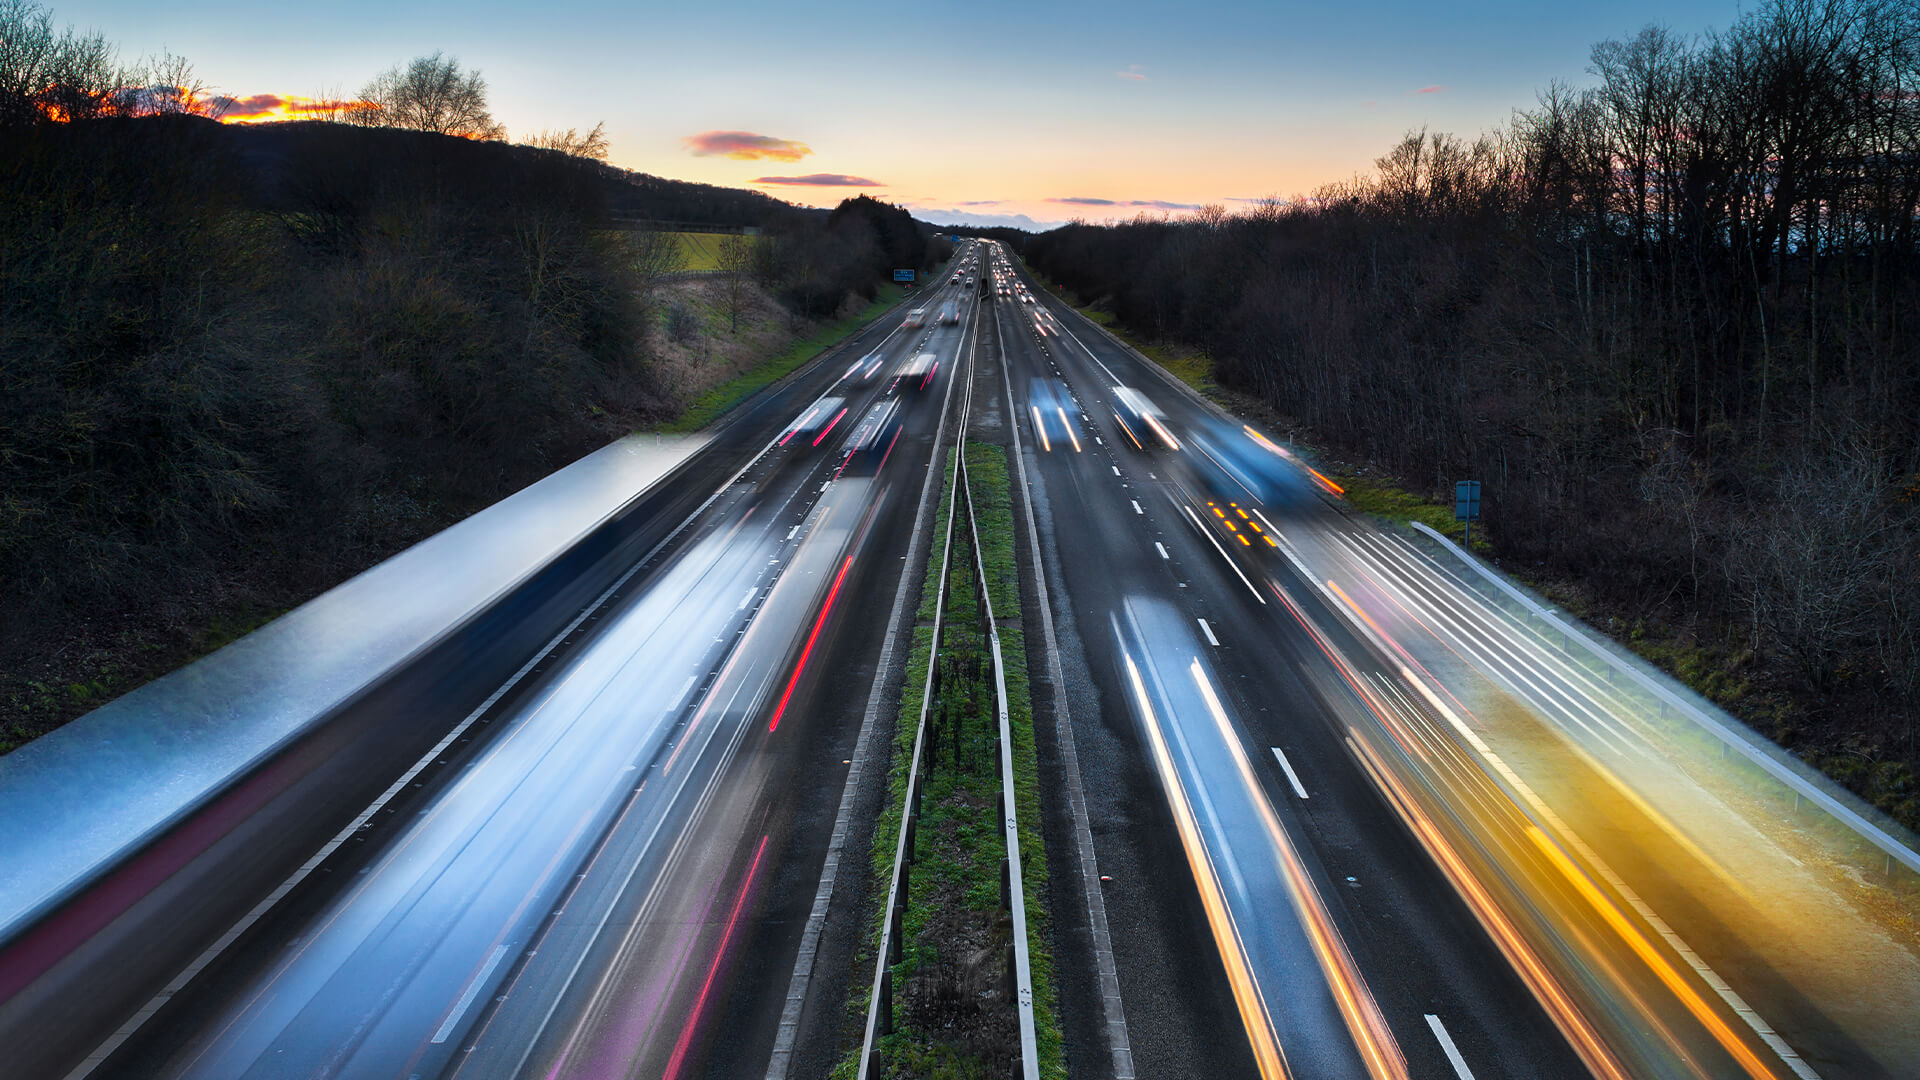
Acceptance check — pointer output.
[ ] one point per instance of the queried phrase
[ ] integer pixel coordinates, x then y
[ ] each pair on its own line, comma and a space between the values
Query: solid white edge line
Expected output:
1106, 969
786, 1034
1208, 630
1287, 767
1453, 1052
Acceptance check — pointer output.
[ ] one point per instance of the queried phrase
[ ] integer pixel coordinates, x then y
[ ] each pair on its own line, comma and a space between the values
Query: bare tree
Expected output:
591, 145
27, 47
736, 263
431, 93
167, 85
655, 257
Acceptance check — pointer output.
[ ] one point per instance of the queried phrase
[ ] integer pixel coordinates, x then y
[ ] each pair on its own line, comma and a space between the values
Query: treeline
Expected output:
200, 358
814, 264
1667, 318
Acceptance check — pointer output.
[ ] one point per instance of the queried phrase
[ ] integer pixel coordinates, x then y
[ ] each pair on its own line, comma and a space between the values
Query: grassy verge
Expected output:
715, 402
953, 1015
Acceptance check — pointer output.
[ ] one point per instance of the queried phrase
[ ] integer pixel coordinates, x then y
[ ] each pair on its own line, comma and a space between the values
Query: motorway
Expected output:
578, 888
1580, 883
1316, 804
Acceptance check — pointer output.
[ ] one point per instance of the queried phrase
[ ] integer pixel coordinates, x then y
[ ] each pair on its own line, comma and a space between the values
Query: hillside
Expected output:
241, 364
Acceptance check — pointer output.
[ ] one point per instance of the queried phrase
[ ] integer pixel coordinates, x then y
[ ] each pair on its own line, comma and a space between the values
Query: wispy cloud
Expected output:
820, 179
1369, 104
232, 108
1436, 88
958, 216
745, 146
1144, 204
984, 202
1133, 72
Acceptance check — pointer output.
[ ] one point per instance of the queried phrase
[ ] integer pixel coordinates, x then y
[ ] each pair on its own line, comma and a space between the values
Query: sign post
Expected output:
1466, 507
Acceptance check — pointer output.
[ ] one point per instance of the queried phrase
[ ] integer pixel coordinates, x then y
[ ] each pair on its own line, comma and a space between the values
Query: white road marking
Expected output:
1208, 630
1116, 470
1136, 507
1446, 1043
1292, 777
466, 999
1163, 549
748, 599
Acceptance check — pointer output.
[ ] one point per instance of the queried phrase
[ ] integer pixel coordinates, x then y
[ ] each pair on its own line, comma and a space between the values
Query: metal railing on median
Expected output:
892, 929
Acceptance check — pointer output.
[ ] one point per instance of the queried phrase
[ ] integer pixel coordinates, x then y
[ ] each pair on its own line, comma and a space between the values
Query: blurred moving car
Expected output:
1053, 410
872, 439
1141, 419
916, 319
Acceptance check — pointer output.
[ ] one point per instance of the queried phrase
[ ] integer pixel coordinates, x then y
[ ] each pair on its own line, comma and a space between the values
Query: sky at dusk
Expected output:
987, 111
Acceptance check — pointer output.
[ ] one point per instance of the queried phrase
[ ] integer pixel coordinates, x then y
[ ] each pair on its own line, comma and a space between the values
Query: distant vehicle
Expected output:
1141, 419
949, 313
916, 319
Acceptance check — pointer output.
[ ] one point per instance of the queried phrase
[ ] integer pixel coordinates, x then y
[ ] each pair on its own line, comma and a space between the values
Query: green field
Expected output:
700, 251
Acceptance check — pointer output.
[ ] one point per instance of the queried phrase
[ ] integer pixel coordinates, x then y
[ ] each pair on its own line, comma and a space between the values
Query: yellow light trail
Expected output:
1365, 1025
1651, 956
1267, 1054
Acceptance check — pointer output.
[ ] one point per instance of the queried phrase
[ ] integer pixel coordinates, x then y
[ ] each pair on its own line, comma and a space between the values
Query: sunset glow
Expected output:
1028, 117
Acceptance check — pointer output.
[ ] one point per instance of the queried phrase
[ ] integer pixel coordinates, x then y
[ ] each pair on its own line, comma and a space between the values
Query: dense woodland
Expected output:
1668, 316
240, 363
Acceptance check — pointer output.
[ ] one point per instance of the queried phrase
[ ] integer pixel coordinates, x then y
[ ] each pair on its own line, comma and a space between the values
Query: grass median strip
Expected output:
953, 1011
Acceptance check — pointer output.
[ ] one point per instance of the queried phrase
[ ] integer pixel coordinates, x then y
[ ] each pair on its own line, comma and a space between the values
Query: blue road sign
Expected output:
903, 275
1466, 500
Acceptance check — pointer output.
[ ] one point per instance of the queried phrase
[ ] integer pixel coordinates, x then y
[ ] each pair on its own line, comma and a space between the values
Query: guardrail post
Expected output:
895, 950
883, 1023
1006, 885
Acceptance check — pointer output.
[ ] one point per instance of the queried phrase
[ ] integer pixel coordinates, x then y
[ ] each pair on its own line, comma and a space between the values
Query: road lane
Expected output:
1419, 951
477, 919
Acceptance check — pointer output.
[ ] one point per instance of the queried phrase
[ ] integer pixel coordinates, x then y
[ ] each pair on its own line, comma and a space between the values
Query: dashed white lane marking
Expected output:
1292, 777
1136, 507
466, 999
1162, 549
747, 599
1208, 630
793, 532
1116, 470
1446, 1043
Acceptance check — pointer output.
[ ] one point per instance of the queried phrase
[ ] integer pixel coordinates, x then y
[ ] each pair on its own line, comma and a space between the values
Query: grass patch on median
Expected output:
953, 1011
715, 402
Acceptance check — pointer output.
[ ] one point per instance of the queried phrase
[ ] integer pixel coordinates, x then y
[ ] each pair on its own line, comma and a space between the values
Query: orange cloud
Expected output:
1133, 72
745, 146
252, 107
272, 108
1434, 89
820, 179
